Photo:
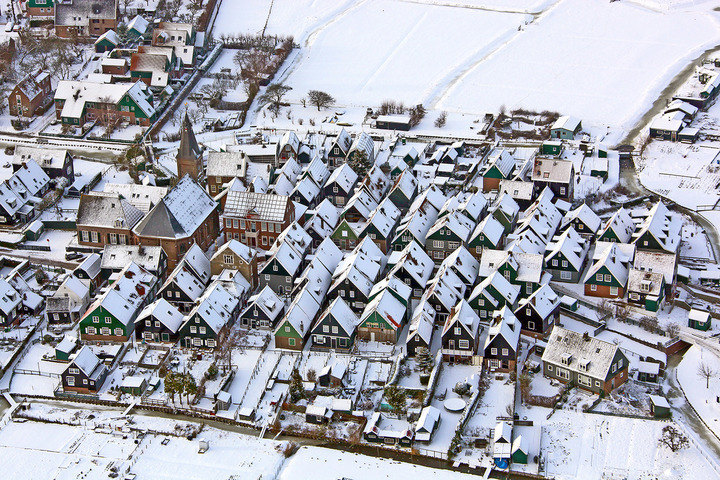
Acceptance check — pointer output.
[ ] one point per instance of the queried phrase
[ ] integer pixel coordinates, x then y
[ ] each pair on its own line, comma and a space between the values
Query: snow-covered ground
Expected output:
701, 395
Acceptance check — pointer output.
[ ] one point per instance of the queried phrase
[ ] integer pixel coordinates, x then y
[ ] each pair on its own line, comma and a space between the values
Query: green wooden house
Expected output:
346, 235
382, 318
608, 276
216, 309
293, 330
493, 293
551, 147
399, 289
489, 233
403, 191
107, 42
699, 320
506, 211
518, 451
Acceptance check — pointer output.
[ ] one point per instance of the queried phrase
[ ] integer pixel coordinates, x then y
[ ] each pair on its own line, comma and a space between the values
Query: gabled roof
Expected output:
317, 170
344, 176
416, 262
77, 93
267, 301
622, 224
528, 265
344, 316
307, 189
463, 264
457, 223
91, 265
163, 311
240, 249
422, 321
502, 160
572, 246
301, 312
376, 183
139, 24
9, 297
294, 235
364, 142
288, 257
324, 219
226, 164
142, 197
506, 204
328, 254
115, 257
180, 213
86, 360
491, 228
505, 325
31, 177
463, 315
643, 281
107, 210
566, 122
418, 222
663, 226
584, 214
215, 307
580, 353
613, 261
508, 291
406, 183
544, 301
363, 202
384, 217
388, 307
343, 141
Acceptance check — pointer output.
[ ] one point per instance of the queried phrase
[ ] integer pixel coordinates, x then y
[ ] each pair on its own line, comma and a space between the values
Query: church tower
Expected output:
189, 157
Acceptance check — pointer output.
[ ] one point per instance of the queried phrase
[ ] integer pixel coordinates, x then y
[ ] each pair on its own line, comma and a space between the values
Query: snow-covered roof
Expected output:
163, 311
517, 189
226, 164
584, 214
463, 264
343, 314
507, 205
142, 197
180, 213
422, 321
649, 283
388, 307
429, 417
506, 325
344, 176
109, 36
384, 217
418, 222
317, 170
579, 352
498, 282
302, 311
566, 122
462, 314
363, 142
528, 265
9, 297
621, 223
343, 141
614, 264
394, 284
77, 93
127, 294
328, 254
288, 257
215, 307
456, 222
416, 262
672, 121
45, 157
74, 285
115, 257
406, 183
503, 160
663, 226
664, 263
324, 219
491, 228
267, 301
86, 360
543, 300
139, 24
552, 170
30, 177
90, 265
571, 245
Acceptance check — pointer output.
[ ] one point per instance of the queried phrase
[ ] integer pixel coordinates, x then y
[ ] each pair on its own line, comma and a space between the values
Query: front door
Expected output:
372, 336
333, 342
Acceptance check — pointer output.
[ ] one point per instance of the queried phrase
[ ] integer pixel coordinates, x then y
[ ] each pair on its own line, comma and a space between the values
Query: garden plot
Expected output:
381, 49
259, 378
686, 174
594, 447
494, 404
604, 62
244, 362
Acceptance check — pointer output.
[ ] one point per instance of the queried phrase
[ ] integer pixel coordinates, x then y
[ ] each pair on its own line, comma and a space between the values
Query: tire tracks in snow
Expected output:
441, 92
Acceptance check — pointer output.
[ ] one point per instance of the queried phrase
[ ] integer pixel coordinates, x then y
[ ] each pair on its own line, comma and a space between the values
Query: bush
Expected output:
212, 372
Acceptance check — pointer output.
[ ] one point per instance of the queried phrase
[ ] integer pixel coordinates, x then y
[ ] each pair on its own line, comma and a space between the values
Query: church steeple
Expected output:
189, 156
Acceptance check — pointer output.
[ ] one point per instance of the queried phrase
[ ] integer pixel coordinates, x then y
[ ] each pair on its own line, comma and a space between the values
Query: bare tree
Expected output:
274, 95
441, 120
705, 371
320, 99
673, 438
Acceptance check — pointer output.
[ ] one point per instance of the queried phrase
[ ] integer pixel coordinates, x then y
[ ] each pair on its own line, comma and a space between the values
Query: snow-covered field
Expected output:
701, 395
603, 62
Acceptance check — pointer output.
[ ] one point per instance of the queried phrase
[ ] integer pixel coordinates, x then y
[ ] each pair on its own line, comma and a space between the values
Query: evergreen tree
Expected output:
190, 386
360, 163
297, 391
424, 360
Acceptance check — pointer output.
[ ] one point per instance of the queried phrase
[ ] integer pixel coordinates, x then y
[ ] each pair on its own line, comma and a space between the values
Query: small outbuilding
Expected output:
699, 319
566, 127
393, 122
133, 384
659, 406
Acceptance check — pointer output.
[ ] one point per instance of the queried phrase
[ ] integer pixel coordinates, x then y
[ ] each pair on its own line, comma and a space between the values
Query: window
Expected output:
71, 381
210, 342
342, 293
113, 238
291, 342
599, 277
108, 320
493, 351
437, 244
228, 259
242, 224
104, 331
335, 189
585, 380
562, 373
148, 323
326, 329
463, 344
607, 278
565, 275
84, 234
90, 330
531, 325
94, 237
96, 319
634, 296
123, 239
263, 226
319, 339
554, 262
483, 314
119, 332
457, 330
493, 363
228, 222
193, 329
264, 240
613, 290
267, 277
352, 293
593, 288
334, 330
197, 342
505, 352
203, 330
550, 368
287, 328
74, 371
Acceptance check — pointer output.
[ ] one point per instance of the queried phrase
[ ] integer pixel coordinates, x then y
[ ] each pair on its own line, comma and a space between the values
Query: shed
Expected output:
332, 375
133, 384
66, 347
699, 319
648, 372
107, 41
223, 400
659, 406
34, 231
569, 303
566, 127
688, 134
317, 414
551, 147
393, 122
427, 423
519, 452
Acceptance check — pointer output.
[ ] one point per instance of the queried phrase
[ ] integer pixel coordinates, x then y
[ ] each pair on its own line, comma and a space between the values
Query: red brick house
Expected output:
106, 219
85, 18
256, 219
31, 96
185, 216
